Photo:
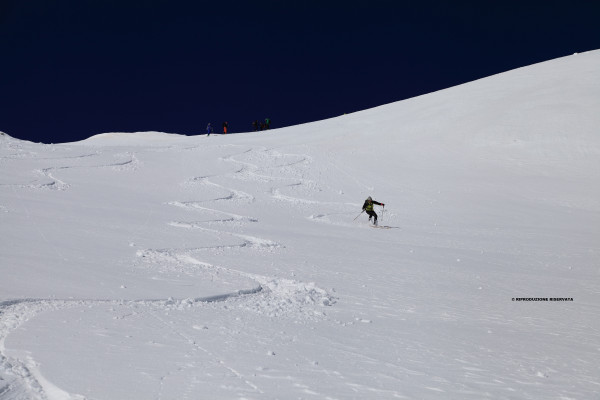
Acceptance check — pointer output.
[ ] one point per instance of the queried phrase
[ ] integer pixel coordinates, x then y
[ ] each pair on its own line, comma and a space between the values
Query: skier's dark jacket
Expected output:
368, 206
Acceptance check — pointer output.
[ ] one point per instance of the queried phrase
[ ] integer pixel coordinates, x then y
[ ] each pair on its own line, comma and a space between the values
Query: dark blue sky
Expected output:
72, 69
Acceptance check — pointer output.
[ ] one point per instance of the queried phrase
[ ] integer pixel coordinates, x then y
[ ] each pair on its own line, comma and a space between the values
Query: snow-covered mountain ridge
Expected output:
153, 265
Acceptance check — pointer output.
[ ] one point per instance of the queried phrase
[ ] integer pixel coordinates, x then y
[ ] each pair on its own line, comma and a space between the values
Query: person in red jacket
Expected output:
368, 207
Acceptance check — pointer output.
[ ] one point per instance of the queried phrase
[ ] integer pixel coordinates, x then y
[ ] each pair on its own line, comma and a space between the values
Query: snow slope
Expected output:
159, 266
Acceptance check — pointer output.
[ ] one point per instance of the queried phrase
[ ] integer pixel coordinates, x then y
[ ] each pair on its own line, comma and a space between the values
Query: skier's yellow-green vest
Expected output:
369, 206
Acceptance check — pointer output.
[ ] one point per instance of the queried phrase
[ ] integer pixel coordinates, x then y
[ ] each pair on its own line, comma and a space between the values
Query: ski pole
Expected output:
382, 210
359, 215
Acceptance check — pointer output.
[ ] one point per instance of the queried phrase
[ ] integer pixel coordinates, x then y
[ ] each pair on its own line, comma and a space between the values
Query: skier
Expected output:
225, 126
268, 123
209, 129
368, 207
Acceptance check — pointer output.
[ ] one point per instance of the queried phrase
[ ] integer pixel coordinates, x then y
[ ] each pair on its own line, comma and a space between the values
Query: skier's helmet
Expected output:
369, 198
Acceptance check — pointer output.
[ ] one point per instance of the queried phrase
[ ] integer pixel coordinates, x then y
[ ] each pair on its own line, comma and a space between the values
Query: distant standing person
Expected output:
225, 126
268, 123
255, 125
368, 207
209, 129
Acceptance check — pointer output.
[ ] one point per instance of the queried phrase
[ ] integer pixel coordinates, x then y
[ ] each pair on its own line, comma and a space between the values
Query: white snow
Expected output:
159, 266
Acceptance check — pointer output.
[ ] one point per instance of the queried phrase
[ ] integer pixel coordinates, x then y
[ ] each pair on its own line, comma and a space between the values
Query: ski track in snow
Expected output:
251, 172
55, 183
281, 296
271, 296
49, 181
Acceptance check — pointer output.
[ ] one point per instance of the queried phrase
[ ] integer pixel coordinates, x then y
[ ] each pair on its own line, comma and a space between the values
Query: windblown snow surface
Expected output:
161, 266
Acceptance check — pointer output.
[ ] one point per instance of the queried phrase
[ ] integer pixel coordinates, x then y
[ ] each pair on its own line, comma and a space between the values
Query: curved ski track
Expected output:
271, 296
279, 296
49, 181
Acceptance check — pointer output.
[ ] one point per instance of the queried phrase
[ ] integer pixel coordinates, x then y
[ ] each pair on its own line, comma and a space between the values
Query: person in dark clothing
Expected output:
255, 125
368, 207
209, 129
268, 123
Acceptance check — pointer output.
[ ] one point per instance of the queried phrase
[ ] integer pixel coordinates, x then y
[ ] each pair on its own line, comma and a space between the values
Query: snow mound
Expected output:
6, 138
150, 138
